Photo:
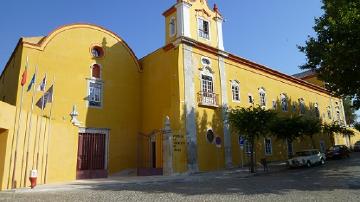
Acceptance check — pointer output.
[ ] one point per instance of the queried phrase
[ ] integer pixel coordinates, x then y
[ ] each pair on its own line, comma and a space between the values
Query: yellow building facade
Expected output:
111, 112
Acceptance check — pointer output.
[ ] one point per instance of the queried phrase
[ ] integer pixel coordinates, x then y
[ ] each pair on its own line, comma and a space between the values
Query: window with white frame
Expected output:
274, 104
247, 147
203, 28
338, 117
172, 27
302, 106
284, 102
95, 94
235, 88
207, 84
205, 61
329, 113
262, 95
317, 112
268, 146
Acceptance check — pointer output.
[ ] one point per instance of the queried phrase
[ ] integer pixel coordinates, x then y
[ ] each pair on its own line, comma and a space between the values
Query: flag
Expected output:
42, 85
24, 75
46, 98
31, 83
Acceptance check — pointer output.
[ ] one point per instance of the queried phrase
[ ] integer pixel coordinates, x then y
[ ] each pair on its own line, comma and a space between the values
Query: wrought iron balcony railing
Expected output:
208, 99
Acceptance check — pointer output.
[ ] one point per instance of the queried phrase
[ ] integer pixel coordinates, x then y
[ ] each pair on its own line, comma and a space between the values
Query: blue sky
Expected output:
266, 32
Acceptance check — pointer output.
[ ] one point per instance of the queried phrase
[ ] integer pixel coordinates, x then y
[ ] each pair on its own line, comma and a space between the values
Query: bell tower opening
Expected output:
193, 19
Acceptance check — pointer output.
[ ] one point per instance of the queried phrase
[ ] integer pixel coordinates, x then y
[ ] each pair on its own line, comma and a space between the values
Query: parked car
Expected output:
338, 151
357, 146
307, 158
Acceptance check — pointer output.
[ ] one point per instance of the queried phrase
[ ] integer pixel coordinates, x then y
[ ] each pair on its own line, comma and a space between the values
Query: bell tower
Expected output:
194, 19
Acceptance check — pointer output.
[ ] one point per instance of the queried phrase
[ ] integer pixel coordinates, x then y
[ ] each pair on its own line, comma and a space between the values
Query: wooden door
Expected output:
91, 156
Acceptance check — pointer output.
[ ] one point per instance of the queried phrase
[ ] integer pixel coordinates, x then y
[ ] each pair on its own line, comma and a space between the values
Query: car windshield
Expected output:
357, 143
304, 153
334, 148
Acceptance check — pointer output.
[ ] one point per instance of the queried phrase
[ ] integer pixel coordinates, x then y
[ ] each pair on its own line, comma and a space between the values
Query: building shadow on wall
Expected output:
109, 140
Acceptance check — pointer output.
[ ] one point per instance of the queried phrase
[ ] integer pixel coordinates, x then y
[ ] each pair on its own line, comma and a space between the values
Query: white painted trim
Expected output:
206, 58
105, 131
183, 19
219, 25
190, 104
225, 102
237, 84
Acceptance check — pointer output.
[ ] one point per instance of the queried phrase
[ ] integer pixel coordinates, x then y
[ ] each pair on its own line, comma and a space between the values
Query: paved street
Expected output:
338, 180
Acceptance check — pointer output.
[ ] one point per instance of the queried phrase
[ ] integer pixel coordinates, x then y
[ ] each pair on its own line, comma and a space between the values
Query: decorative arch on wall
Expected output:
41, 45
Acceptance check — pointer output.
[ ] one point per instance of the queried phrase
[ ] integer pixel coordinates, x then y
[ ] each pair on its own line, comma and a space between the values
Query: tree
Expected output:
251, 123
350, 115
357, 126
335, 128
310, 126
334, 52
287, 128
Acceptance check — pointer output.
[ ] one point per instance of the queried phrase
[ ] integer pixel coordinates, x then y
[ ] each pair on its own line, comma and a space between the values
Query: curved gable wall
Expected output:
65, 55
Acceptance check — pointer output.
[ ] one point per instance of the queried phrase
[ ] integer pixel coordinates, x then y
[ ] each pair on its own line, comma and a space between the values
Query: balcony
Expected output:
208, 99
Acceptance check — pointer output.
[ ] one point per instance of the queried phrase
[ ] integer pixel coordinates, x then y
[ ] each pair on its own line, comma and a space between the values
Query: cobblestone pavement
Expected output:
338, 180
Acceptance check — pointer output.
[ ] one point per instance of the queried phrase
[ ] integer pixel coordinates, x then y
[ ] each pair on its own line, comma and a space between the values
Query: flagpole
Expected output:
30, 125
19, 122
44, 136
49, 133
41, 122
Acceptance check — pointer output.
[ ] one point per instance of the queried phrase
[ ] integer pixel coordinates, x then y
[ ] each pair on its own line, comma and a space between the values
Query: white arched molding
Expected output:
262, 97
284, 102
235, 90
302, 106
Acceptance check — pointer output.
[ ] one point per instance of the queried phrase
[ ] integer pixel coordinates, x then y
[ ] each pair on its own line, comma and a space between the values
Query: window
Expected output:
248, 147
97, 51
95, 94
262, 95
322, 146
338, 115
204, 28
274, 104
284, 102
290, 148
268, 146
205, 61
172, 27
96, 71
329, 113
235, 91
210, 136
302, 106
251, 99
317, 112
207, 84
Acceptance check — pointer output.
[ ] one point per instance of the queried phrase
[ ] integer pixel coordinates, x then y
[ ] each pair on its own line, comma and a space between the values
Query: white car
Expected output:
307, 158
